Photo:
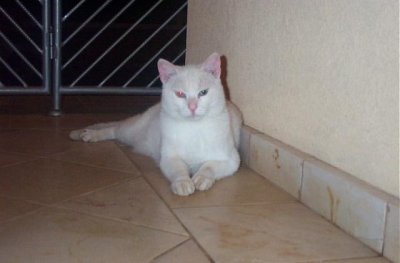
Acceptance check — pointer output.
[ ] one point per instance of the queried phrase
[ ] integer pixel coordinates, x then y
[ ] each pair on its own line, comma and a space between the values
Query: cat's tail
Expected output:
87, 133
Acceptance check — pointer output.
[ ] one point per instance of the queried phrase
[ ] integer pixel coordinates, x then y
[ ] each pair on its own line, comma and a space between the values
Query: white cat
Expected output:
193, 131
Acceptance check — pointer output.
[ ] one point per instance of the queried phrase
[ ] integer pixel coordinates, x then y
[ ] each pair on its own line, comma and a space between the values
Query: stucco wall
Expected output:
320, 75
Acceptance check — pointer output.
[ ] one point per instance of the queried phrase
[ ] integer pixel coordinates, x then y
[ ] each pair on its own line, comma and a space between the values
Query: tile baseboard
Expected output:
363, 211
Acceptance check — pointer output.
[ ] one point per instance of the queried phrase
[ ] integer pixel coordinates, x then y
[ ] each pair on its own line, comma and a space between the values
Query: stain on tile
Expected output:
276, 158
268, 233
333, 204
277, 162
351, 204
231, 237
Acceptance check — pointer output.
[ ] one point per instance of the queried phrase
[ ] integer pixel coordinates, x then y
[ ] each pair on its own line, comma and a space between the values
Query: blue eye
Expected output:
203, 92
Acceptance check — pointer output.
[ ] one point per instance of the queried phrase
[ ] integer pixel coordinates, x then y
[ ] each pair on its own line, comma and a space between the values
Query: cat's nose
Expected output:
192, 105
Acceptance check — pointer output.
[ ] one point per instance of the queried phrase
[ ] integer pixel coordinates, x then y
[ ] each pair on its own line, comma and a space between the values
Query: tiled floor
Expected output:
65, 201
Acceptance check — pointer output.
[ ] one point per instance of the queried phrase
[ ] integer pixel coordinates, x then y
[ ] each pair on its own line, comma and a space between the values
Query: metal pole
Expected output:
46, 19
56, 81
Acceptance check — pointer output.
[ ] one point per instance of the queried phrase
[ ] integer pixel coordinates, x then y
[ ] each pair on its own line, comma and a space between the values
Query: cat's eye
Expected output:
180, 94
203, 92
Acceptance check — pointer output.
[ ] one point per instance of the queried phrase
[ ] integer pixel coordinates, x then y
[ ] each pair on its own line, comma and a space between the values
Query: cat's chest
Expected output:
196, 141
196, 138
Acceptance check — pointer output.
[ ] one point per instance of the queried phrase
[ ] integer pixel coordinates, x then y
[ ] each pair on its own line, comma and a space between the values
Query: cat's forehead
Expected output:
192, 77
190, 72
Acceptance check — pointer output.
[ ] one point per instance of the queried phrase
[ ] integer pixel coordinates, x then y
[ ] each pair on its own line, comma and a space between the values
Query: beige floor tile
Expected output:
37, 121
360, 260
10, 208
103, 211
187, 252
244, 188
53, 235
144, 163
4, 122
7, 158
110, 117
269, 233
132, 201
35, 142
48, 181
101, 154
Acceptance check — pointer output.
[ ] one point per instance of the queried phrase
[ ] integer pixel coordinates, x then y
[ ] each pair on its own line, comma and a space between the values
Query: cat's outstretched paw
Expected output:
89, 136
203, 182
75, 135
183, 187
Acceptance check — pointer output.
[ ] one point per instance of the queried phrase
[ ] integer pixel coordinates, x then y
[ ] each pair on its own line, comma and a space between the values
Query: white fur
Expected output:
193, 149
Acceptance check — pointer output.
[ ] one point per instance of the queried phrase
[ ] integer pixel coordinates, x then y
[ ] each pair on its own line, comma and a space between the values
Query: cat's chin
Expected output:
194, 117
185, 115
191, 117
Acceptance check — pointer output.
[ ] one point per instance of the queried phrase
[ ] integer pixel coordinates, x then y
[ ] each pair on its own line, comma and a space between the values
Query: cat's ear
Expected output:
212, 65
166, 70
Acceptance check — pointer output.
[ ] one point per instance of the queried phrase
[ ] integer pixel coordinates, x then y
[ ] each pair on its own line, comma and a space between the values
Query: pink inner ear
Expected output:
213, 65
166, 70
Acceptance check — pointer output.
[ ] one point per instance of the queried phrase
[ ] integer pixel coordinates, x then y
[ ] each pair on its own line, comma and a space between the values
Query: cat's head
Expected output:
192, 91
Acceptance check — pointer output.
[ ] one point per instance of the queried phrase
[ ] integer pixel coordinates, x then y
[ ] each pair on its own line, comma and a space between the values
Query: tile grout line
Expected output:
278, 203
123, 180
190, 235
19, 217
170, 250
56, 205
302, 180
21, 162
39, 203
116, 220
50, 156
88, 165
387, 210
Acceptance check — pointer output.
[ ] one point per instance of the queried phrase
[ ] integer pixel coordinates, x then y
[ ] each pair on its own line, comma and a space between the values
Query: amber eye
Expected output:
180, 94
203, 92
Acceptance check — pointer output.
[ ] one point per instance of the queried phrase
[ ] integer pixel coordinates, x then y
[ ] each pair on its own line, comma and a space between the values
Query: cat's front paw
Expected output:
89, 136
183, 187
203, 182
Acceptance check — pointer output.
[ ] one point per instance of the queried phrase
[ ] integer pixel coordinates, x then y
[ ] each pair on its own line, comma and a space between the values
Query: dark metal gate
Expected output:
25, 47
88, 46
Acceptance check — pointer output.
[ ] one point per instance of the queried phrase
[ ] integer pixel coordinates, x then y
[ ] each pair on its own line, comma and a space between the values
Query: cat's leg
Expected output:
211, 171
177, 172
103, 125
89, 135
95, 132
